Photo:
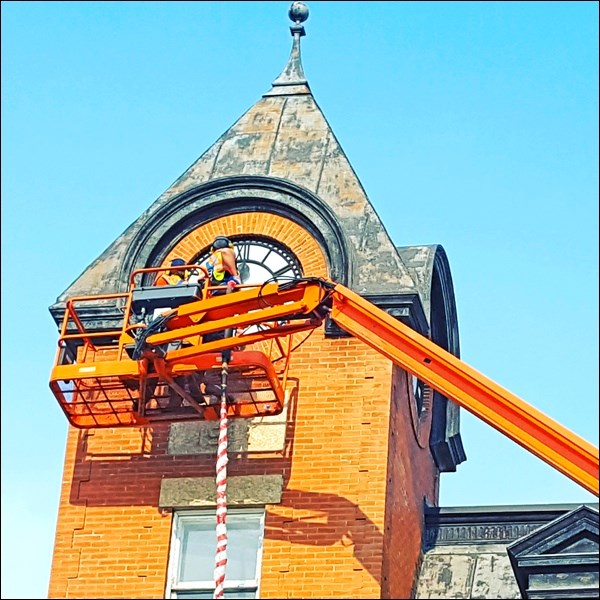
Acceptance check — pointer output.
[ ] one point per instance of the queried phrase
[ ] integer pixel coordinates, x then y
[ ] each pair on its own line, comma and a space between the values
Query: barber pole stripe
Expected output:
221, 555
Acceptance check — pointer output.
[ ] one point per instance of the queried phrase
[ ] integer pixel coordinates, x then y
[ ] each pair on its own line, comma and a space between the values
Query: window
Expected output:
419, 390
193, 548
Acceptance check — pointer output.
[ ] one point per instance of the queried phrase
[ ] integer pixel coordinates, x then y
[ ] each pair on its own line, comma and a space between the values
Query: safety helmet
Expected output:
177, 262
221, 242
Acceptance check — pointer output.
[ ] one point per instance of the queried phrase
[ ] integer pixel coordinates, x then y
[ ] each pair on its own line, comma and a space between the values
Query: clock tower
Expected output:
338, 483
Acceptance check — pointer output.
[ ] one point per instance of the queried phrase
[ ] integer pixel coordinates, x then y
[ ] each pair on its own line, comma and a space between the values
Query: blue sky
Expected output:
473, 125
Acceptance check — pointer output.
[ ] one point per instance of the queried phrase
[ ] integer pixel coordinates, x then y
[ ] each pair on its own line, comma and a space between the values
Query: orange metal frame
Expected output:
554, 444
269, 312
98, 384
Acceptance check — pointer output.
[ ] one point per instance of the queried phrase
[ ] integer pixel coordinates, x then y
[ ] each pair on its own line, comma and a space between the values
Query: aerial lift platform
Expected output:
179, 348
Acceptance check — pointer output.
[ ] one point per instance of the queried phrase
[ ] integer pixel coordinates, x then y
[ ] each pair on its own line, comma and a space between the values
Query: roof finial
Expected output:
298, 13
292, 79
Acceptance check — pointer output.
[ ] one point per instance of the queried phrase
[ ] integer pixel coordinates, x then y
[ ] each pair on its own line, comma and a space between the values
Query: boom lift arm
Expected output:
180, 343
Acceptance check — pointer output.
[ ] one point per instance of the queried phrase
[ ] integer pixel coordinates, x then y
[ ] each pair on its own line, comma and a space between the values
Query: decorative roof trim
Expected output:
229, 195
430, 269
489, 524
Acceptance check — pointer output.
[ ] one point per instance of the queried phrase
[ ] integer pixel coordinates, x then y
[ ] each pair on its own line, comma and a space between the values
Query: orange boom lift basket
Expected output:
174, 366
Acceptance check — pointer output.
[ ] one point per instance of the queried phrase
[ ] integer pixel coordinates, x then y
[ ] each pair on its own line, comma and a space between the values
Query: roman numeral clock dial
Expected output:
261, 260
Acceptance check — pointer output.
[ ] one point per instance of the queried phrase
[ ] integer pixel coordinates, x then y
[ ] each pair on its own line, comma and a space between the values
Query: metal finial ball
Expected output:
298, 12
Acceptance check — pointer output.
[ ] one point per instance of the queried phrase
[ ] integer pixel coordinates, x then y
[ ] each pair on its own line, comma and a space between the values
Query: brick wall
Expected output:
349, 523
412, 478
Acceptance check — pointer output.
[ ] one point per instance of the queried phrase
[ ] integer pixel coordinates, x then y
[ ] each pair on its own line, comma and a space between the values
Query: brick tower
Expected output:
326, 499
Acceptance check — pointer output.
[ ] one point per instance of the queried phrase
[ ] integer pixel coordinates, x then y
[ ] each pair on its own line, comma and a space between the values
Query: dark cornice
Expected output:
488, 524
404, 307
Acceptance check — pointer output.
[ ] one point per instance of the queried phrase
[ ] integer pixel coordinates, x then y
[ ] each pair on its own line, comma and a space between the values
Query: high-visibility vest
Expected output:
169, 279
215, 268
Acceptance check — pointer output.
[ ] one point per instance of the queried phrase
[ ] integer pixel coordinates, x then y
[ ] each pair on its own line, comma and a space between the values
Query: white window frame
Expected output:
182, 518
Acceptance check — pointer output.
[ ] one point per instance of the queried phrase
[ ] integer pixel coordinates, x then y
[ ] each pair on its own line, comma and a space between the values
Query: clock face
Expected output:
260, 260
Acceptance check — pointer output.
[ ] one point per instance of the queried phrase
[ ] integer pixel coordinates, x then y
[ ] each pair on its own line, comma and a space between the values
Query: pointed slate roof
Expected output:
283, 137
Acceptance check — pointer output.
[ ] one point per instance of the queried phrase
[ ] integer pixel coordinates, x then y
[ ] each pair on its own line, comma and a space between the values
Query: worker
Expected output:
173, 276
220, 268
158, 396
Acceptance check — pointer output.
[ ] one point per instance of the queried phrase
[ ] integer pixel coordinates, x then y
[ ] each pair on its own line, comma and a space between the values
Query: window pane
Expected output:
197, 552
242, 547
199, 545
226, 594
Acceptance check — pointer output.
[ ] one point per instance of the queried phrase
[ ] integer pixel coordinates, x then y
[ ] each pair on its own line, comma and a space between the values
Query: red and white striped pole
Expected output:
222, 459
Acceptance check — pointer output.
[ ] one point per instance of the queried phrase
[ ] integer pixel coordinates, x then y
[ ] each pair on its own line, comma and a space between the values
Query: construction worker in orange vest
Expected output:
173, 276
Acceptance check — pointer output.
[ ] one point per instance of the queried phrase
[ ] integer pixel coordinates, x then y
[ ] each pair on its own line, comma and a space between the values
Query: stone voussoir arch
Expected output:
245, 205
259, 224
